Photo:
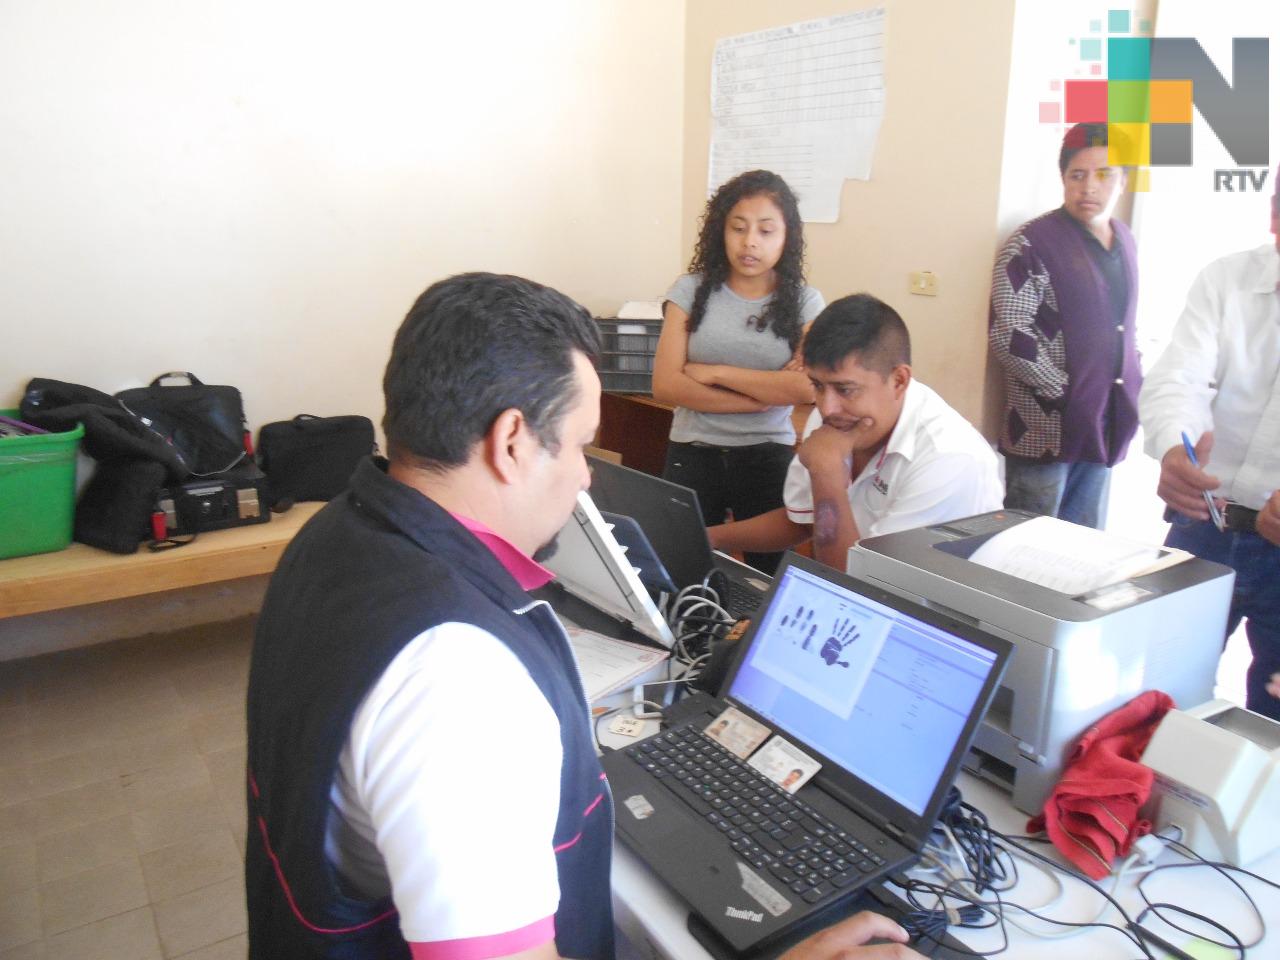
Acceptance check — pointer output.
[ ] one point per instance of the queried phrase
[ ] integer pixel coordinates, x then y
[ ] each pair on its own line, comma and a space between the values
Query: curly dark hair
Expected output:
783, 312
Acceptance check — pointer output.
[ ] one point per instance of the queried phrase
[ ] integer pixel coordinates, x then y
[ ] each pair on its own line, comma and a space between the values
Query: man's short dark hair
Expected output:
860, 324
1080, 137
1085, 135
471, 347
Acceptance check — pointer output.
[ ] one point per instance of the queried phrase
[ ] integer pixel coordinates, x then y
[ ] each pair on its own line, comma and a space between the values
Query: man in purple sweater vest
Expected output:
1063, 294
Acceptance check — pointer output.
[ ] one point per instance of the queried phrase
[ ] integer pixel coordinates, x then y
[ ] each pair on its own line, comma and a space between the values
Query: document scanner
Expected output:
1075, 658
1217, 778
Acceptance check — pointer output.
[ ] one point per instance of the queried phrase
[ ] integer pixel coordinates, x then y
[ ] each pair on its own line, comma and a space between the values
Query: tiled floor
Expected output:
122, 799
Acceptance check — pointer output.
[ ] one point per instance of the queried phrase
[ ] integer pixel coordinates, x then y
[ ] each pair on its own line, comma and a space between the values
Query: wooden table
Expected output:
80, 575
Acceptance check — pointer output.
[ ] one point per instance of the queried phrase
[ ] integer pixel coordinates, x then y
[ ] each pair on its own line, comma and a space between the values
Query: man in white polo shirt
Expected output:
881, 452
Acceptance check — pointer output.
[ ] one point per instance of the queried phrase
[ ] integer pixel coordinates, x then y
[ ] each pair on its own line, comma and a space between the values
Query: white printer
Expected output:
1075, 658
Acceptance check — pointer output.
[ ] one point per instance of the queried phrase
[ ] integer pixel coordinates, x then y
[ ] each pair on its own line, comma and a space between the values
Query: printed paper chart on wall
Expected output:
804, 101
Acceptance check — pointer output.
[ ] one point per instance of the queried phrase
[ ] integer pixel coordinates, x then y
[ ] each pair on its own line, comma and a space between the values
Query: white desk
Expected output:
650, 916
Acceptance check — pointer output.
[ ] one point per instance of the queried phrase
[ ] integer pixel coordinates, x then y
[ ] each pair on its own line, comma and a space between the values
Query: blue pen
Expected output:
1214, 513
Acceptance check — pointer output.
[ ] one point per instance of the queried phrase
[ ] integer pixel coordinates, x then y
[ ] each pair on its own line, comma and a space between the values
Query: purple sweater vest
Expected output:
1088, 331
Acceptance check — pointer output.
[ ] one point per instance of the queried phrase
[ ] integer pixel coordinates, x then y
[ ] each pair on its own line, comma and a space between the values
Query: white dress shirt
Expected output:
935, 467
1221, 372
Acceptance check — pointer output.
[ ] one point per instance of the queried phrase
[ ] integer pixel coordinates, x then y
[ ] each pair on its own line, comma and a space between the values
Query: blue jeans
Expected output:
1256, 597
746, 481
1071, 491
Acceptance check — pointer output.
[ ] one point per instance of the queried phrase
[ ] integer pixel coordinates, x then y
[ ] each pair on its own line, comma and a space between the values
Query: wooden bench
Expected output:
80, 575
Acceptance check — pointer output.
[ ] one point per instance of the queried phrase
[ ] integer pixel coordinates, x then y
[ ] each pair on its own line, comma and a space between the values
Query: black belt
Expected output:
1240, 519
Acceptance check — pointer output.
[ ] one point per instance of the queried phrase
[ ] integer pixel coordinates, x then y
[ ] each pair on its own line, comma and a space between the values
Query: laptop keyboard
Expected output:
765, 826
741, 601
738, 599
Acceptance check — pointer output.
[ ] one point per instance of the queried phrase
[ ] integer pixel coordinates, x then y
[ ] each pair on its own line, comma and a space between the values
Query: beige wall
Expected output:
257, 191
932, 200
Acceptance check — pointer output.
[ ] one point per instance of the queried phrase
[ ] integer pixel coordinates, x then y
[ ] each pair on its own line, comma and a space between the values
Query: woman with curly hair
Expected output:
728, 357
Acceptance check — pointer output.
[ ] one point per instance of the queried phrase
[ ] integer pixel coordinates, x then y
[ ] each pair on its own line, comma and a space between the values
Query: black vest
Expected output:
368, 574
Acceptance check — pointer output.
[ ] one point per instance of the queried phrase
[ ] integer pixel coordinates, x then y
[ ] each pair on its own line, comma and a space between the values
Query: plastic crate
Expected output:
37, 491
626, 356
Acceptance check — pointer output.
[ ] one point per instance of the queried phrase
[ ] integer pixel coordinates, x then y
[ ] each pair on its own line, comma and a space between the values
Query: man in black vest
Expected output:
422, 778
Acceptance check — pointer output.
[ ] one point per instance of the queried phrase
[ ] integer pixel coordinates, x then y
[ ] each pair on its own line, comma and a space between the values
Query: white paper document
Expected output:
1070, 558
607, 664
641, 310
804, 101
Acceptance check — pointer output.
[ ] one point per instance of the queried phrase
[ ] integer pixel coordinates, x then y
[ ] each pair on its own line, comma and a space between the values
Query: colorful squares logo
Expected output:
1085, 101
1128, 101
1129, 144
1129, 58
1171, 102
1149, 121
1171, 143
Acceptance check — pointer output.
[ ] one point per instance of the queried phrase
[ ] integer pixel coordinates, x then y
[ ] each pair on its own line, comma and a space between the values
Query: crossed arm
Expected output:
715, 387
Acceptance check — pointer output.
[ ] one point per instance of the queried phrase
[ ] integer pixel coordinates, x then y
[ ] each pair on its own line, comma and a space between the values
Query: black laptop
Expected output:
671, 519
884, 693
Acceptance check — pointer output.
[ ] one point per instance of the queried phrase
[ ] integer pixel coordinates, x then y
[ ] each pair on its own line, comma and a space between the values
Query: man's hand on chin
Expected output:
830, 448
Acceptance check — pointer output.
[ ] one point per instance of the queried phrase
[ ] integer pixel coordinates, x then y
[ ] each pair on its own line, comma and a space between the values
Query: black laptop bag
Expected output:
312, 458
205, 422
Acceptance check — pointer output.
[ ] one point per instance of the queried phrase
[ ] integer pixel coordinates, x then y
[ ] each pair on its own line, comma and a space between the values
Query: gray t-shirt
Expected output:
728, 335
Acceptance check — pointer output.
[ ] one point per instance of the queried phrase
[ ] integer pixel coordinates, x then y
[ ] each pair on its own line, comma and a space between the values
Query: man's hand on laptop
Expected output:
849, 940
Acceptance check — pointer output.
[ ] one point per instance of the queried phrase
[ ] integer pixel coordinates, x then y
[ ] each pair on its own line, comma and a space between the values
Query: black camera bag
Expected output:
206, 423
312, 458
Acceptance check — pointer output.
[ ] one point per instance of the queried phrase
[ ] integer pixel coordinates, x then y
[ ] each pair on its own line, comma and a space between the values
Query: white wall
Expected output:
931, 201
257, 191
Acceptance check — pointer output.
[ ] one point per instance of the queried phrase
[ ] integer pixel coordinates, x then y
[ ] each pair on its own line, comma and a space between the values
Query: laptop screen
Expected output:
872, 688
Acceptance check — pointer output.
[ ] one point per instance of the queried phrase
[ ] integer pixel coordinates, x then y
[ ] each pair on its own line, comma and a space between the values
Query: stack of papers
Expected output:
641, 310
1070, 558
608, 665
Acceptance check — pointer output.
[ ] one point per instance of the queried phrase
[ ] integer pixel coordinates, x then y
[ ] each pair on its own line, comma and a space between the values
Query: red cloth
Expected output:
1092, 814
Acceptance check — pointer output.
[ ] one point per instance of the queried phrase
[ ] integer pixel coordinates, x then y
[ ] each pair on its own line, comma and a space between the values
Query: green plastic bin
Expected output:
37, 491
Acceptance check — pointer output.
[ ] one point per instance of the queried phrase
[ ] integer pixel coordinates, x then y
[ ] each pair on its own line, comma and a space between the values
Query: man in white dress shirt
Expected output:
881, 453
1219, 382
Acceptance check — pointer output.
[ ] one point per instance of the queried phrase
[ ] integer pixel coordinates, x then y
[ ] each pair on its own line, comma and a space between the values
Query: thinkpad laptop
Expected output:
671, 518
883, 693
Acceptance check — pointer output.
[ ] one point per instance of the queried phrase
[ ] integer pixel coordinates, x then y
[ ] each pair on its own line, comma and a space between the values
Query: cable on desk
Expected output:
595, 729
697, 621
1129, 924
941, 915
1226, 869
987, 863
931, 923
969, 833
